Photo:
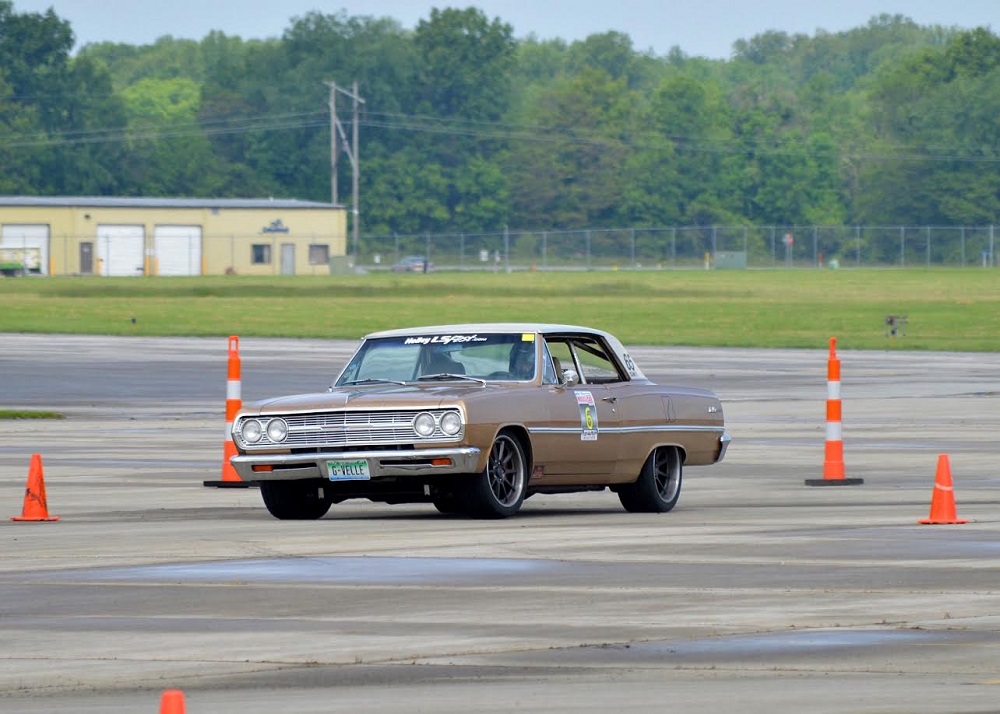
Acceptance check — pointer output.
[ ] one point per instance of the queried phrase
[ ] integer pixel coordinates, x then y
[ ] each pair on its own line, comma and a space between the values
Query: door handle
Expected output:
612, 400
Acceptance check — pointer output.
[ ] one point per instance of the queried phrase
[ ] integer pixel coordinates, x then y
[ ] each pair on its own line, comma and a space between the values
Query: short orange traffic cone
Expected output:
35, 506
172, 702
943, 498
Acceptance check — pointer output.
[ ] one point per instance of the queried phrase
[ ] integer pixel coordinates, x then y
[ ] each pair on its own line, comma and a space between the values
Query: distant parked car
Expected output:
413, 264
476, 418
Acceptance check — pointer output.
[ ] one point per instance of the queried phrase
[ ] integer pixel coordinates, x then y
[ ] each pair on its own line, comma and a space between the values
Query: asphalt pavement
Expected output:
758, 593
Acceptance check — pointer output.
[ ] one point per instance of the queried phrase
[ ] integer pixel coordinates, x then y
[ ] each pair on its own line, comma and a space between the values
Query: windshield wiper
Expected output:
373, 381
449, 375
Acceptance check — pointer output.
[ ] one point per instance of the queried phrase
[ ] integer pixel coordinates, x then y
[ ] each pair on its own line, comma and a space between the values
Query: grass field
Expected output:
947, 309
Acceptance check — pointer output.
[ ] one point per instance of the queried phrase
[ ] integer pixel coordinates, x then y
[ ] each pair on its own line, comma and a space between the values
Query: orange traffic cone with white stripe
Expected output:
35, 506
172, 702
833, 462
943, 498
234, 401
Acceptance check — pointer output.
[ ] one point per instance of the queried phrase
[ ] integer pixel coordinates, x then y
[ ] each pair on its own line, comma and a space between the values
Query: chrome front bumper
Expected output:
413, 462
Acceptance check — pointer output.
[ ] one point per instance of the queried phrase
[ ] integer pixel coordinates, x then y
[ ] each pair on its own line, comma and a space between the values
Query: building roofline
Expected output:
152, 202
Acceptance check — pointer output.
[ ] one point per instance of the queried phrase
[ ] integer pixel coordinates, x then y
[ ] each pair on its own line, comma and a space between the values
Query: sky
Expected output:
705, 28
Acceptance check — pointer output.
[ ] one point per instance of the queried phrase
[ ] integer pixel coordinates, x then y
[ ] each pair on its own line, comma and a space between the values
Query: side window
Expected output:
561, 357
596, 365
549, 375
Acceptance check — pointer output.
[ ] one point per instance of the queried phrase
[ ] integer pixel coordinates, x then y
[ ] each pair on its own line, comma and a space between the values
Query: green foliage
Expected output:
29, 414
466, 129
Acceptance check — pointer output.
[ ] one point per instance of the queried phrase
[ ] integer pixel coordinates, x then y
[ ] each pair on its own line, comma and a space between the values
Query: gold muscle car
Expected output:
474, 419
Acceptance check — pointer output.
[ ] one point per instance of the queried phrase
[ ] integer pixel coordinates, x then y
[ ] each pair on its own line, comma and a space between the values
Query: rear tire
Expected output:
498, 491
294, 500
659, 484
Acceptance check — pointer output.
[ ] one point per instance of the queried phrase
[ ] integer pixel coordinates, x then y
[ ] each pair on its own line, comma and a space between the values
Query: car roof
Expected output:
542, 328
492, 327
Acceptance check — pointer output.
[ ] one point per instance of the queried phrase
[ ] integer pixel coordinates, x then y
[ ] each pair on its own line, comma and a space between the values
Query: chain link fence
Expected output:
697, 247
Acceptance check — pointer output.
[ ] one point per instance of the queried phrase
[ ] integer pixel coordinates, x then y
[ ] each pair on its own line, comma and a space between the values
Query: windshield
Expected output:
505, 357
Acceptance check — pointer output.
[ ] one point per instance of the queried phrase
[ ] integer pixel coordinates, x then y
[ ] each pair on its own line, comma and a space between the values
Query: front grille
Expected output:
331, 430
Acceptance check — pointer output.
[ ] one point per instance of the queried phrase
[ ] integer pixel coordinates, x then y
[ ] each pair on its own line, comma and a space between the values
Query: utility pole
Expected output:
339, 136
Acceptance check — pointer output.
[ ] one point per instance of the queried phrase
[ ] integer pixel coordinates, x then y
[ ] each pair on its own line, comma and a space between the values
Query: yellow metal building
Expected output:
170, 236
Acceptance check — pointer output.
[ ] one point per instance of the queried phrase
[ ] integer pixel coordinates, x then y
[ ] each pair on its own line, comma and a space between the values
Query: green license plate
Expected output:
348, 470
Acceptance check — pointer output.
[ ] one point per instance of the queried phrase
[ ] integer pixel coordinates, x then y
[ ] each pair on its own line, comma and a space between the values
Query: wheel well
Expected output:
678, 447
521, 434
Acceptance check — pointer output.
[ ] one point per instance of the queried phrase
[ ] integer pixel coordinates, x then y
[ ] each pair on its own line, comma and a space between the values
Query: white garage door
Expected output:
178, 250
27, 244
120, 250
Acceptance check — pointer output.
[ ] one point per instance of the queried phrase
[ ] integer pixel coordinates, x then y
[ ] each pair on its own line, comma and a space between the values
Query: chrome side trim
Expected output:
652, 428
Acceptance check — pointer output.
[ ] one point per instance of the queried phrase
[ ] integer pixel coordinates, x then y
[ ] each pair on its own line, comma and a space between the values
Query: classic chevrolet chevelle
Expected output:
476, 418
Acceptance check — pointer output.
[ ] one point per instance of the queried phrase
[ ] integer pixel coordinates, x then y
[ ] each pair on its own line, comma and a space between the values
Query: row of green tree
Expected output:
466, 128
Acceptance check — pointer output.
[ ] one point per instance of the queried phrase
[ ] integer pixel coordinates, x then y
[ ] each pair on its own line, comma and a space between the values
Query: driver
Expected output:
522, 360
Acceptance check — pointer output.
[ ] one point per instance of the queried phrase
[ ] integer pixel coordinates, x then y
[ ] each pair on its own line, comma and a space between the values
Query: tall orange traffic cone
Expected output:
943, 498
833, 463
172, 702
234, 401
35, 506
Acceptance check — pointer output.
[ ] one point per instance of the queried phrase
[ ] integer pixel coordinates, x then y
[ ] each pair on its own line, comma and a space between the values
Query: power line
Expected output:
483, 130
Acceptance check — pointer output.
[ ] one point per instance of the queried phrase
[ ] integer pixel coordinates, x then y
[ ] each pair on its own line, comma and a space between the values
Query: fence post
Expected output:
506, 248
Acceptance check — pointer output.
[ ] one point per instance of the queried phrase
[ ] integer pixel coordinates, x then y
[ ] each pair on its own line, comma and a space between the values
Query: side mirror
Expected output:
570, 378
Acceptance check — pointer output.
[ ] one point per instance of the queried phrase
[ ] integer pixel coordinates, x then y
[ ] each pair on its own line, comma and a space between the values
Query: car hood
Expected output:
391, 396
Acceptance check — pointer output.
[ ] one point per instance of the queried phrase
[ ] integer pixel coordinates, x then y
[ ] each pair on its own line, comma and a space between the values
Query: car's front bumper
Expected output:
412, 462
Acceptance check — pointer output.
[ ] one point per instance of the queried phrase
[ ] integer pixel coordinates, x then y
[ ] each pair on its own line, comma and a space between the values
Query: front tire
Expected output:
498, 491
294, 500
659, 484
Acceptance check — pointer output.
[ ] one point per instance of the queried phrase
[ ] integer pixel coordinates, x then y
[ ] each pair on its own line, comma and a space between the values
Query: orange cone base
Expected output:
230, 479
35, 519
834, 481
229, 484
936, 522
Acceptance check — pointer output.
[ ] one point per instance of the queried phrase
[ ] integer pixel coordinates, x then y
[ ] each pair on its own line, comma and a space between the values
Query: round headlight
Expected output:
423, 424
277, 430
451, 423
251, 431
